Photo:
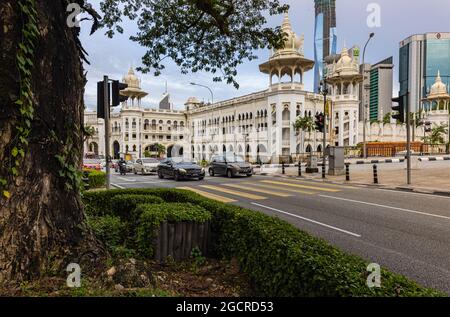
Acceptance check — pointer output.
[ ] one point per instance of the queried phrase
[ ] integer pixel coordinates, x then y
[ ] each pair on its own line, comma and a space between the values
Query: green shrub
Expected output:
153, 215
99, 203
125, 205
109, 229
97, 179
280, 259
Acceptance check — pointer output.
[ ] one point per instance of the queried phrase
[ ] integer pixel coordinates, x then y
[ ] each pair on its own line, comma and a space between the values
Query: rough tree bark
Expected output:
42, 224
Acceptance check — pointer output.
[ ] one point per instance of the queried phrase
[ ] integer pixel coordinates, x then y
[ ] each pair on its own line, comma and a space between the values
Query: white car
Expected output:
146, 166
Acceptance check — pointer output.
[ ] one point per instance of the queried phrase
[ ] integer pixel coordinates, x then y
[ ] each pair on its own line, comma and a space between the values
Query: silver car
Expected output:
146, 166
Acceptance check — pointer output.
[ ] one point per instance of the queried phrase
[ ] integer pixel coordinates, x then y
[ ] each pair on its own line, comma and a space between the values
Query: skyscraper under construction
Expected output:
325, 38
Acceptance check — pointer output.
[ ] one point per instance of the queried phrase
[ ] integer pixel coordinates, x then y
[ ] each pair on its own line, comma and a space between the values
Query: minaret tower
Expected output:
438, 112
343, 83
288, 60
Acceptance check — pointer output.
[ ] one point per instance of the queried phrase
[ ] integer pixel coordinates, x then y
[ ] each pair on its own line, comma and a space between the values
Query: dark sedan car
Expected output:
230, 165
178, 169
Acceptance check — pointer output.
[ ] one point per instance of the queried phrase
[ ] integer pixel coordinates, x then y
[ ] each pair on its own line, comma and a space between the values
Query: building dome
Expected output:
192, 100
292, 42
438, 88
131, 79
345, 61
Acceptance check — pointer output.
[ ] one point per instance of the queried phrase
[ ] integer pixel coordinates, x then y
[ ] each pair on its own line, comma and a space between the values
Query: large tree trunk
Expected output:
42, 224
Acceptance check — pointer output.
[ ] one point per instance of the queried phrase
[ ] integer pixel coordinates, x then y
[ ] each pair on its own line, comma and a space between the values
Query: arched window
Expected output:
127, 124
133, 124
134, 148
146, 124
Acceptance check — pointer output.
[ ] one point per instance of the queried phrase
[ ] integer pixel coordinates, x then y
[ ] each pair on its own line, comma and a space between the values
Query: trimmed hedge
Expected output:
111, 230
97, 179
280, 259
124, 205
151, 217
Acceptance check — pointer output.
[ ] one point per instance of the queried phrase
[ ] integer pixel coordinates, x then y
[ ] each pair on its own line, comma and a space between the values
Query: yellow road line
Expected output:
302, 186
291, 190
321, 184
209, 195
258, 190
232, 192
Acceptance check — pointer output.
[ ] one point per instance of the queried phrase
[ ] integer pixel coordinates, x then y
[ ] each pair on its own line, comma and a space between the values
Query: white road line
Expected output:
309, 220
117, 186
384, 206
137, 183
127, 179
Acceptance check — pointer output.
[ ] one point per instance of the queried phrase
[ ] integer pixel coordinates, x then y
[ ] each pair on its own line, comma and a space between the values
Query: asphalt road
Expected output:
407, 233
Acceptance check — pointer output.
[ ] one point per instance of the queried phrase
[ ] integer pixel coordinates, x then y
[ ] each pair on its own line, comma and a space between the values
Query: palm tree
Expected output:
437, 135
305, 124
88, 133
161, 149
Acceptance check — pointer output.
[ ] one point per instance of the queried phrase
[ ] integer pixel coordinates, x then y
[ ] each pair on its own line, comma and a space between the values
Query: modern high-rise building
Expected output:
421, 58
325, 38
378, 87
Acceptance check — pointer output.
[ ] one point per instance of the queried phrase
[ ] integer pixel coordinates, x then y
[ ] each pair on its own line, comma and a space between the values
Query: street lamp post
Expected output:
210, 90
371, 35
323, 89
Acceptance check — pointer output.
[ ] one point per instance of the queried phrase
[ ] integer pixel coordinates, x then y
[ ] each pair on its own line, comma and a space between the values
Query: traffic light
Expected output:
320, 122
101, 99
117, 98
400, 116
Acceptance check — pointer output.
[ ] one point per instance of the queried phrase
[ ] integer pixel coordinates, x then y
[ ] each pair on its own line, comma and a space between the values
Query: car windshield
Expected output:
234, 158
177, 160
149, 161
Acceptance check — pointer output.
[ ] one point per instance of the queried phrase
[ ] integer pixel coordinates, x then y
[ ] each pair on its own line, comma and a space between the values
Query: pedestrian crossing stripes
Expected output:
330, 190
259, 190
209, 195
235, 193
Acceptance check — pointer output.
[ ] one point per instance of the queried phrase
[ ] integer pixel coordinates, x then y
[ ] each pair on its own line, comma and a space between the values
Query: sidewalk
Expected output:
430, 179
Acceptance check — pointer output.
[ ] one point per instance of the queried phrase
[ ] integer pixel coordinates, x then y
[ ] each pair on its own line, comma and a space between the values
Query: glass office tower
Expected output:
325, 38
421, 57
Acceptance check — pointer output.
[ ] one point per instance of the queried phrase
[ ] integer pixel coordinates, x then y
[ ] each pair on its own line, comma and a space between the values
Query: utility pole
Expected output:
107, 136
363, 102
408, 140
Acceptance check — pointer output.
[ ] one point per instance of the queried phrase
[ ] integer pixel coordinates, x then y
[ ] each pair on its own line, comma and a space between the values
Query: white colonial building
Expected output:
259, 126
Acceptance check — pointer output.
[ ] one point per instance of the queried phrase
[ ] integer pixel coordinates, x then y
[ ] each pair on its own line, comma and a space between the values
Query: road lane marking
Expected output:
291, 190
209, 195
389, 207
127, 179
136, 183
117, 186
235, 193
316, 183
302, 186
310, 220
258, 190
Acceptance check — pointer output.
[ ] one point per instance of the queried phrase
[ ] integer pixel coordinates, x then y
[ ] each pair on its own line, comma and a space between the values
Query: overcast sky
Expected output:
399, 20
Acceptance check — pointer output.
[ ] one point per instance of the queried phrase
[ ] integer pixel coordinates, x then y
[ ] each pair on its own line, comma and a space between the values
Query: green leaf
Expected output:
14, 152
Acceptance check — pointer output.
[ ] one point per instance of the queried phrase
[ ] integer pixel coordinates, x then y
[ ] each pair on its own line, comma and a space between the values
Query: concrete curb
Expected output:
385, 161
393, 188
434, 159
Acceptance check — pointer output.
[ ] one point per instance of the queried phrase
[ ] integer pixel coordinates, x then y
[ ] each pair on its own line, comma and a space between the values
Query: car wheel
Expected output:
135, 172
201, 178
211, 172
143, 173
160, 175
176, 177
230, 174
249, 175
